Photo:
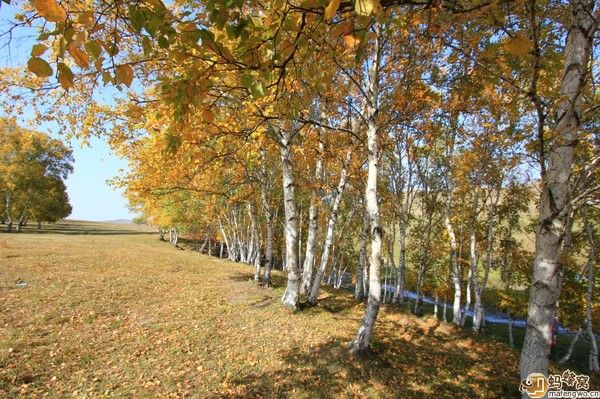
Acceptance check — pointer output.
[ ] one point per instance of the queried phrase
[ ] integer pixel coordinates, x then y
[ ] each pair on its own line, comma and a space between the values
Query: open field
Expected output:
96, 310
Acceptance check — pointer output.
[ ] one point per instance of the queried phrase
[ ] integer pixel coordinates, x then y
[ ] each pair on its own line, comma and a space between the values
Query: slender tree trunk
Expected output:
474, 264
467, 298
444, 313
556, 192
268, 212
435, 306
337, 199
255, 243
420, 281
589, 297
456, 274
268, 254
313, 216
360, 289
202, 247
399, 294
292, 291
511, 339
362, 342
300, 222
230, 251
221, 250
569, 352
389, 294
479, 319
386, 279
454, 265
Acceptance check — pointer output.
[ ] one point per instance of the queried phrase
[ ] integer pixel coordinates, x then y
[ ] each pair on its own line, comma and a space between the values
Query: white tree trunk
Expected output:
362, 341
569, 352
444, 313
268, 212
474, 263
399, 294
594, 366
337, 199
556, 192
292, 291
467, 299
230, 251
456, 274
360, 288
313, 215
479, 318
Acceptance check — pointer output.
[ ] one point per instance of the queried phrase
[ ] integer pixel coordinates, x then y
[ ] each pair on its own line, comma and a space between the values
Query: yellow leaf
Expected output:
40, 67
124, 74
38, 50
351, 41
331, 9
81, 58
86, 19
519, 45
65, 76
49, 9
367, 7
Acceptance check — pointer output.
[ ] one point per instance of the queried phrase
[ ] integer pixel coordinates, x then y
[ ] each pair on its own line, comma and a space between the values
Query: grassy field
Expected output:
97, 310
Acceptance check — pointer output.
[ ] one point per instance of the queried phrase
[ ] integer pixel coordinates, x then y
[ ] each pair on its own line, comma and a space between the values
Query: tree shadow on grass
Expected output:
277, 280
328, 371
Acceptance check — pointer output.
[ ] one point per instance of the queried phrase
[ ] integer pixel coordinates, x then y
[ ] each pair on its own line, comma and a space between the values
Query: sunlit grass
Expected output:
117, 313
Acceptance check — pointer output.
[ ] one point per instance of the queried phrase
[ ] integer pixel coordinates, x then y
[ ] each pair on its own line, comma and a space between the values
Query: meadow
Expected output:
105, 310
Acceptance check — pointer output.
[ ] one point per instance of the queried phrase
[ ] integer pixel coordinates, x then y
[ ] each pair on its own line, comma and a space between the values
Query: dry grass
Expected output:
116, 313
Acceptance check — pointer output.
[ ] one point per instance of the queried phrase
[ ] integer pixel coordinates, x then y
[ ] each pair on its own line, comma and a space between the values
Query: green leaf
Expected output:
257, 90
246, 80
207, 36
146, 46
152, 24
163, 42
137, 18
173, 143
40, 67
94, 48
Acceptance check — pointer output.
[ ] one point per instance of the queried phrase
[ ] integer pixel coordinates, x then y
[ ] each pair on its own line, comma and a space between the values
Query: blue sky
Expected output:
91, 196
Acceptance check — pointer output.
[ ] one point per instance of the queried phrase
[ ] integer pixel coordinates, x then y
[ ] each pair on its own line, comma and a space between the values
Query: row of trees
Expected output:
366, 136
33, 167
